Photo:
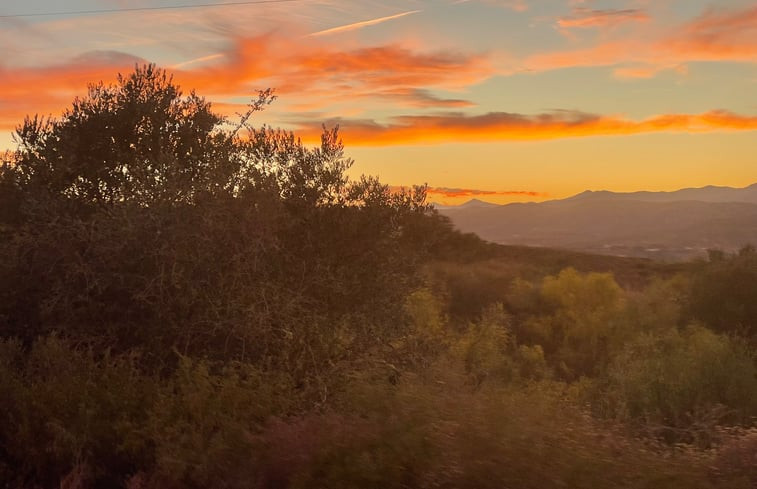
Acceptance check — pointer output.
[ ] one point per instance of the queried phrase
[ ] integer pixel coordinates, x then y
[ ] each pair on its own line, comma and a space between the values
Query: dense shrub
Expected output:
578, 320
723, 291
66, 407
446, 434
683, 385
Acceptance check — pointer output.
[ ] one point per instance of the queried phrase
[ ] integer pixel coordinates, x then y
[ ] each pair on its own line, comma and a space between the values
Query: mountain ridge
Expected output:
667, 225
708, 193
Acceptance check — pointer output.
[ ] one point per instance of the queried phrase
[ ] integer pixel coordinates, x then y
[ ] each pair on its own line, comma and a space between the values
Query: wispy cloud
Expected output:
316, 72
447, 192
516, 5
323, 72
46, 90
454, 195
715, 36
417, 97
362, 24
583, 18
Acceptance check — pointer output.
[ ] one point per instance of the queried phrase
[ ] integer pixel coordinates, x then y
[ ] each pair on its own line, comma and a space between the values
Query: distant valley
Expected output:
661, 225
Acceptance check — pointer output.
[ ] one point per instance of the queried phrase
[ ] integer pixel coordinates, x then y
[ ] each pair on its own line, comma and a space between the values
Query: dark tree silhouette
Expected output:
142, 219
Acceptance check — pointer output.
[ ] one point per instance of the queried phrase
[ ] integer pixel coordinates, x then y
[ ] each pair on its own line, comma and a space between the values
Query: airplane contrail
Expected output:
197, 60
360, 25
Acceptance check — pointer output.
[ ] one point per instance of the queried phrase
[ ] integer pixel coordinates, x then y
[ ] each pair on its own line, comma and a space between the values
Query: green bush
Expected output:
204, 421
723, 291
681, 385
579, 322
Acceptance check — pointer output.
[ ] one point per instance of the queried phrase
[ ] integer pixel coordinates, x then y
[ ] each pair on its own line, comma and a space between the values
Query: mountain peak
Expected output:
478, 203
592, 194
470, 204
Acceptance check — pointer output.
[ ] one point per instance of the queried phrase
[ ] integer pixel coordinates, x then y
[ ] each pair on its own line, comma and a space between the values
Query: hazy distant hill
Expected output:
704, 194
654, 224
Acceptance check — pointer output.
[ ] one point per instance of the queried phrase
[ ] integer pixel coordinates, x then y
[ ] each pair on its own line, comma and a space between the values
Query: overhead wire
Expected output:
143, 9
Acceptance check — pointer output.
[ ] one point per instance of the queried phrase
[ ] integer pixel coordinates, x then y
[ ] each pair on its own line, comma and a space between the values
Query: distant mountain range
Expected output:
664, 225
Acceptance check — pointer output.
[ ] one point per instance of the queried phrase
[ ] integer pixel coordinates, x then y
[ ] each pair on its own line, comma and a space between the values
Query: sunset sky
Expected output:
502, 100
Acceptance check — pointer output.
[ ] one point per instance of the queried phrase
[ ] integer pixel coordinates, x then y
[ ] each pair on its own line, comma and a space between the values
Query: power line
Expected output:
142, 9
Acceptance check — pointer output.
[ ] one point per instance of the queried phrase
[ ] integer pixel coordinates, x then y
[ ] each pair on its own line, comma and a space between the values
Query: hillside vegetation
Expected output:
191, 302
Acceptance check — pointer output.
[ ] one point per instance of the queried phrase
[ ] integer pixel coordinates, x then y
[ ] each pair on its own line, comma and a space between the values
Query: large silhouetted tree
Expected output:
141, 218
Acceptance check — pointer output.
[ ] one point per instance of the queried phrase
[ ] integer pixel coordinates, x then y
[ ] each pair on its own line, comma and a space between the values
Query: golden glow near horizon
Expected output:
499, 100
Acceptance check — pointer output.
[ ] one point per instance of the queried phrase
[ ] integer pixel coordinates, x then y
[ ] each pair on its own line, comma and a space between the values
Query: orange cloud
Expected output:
47, 90
446, 192
717, 35
504, 126
583, 18
298, 68
306, 66
516, 5
454, 196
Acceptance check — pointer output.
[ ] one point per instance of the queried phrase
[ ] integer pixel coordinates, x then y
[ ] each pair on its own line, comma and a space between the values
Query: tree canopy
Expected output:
143, 218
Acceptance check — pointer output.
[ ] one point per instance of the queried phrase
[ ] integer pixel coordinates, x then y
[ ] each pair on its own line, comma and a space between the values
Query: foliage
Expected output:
143, 221
660, 306
63, 408
204, 419
723, 292
486, 347
682, 385
444, 434
580, 318
426, 338
139, 141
